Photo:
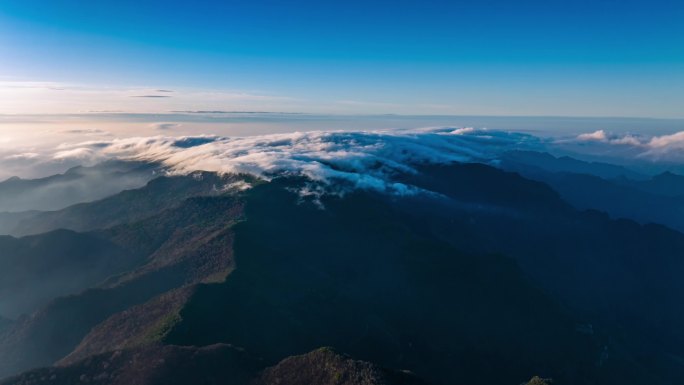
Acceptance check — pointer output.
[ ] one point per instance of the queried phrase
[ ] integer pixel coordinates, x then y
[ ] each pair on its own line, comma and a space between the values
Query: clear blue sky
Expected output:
500, 57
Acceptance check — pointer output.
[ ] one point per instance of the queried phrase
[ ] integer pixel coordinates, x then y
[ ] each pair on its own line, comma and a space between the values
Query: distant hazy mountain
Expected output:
478, 276
79, 184
658, 199
9, 221
666, 184
126, 207
533, 160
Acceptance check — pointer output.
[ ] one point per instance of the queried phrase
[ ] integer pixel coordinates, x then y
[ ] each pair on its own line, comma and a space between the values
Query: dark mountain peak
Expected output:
480, 184
539, 381
325, 366
12, 179
668, 176
666, 184
528, 155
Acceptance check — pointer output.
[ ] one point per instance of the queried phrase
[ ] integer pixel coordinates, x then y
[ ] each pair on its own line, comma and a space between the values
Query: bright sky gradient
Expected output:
487, 57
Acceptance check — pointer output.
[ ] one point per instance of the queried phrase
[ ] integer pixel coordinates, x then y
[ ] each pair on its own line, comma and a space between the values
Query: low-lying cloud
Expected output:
362, 159
358, 159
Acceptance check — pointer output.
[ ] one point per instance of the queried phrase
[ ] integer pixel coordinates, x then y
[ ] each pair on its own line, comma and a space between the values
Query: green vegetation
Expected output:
159, 331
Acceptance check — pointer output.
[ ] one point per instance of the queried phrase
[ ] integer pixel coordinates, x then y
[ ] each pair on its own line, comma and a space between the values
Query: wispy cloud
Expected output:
150, 96
85, 131
22, 156
165, 126
28, 97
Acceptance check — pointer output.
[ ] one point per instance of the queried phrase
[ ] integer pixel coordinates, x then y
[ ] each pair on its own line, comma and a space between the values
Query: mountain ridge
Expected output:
481, 277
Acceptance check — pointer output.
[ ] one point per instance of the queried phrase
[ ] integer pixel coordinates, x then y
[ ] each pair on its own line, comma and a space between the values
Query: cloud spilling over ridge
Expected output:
361, 159
358, 159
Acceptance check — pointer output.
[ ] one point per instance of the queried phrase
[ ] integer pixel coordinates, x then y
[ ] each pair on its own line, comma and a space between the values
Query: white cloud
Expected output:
464, 131
673, 141
606, 137
360, 159
83, 153
667, 148
598, 136
629, 140
23, 156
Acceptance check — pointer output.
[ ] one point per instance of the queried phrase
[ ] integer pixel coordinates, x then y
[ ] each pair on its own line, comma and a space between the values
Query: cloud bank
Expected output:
360, 159
356, 159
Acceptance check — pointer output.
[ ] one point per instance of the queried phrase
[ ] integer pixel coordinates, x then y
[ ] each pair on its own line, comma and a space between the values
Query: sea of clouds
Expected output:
361, 159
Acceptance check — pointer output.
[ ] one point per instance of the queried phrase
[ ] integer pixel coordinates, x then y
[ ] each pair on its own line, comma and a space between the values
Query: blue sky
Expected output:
574, 58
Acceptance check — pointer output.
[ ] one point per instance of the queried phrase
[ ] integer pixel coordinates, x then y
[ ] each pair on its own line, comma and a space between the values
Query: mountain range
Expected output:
483, 274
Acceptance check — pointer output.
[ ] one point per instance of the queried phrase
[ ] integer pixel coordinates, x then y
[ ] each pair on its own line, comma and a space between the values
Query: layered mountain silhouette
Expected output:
482, 276
612, 189
76, 185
